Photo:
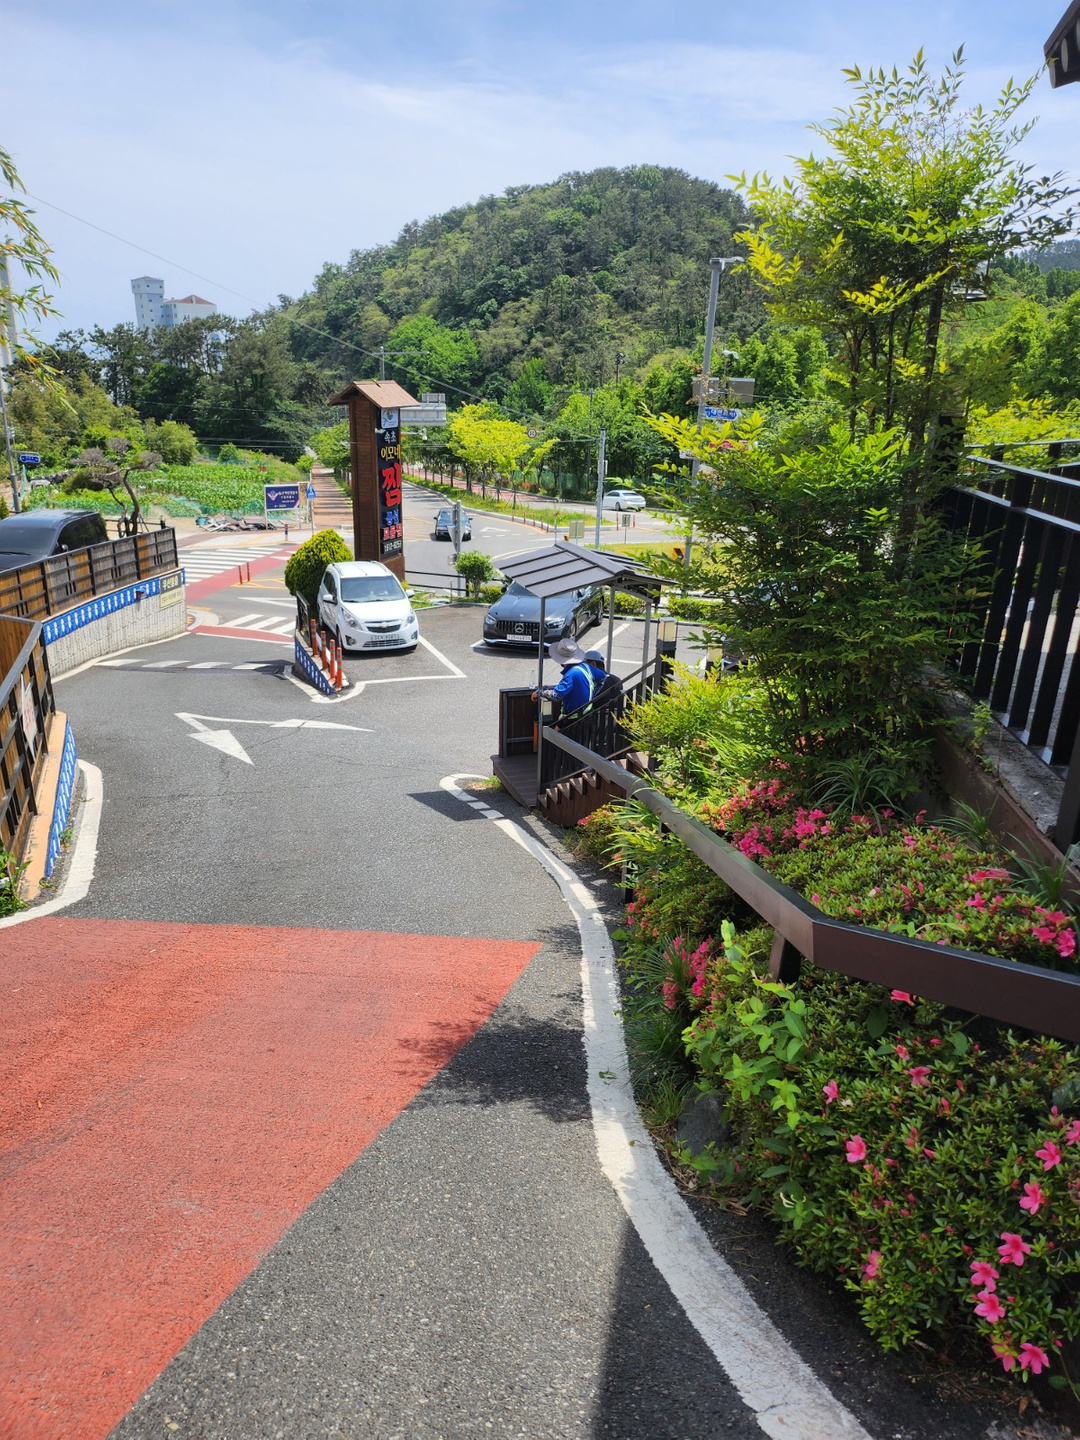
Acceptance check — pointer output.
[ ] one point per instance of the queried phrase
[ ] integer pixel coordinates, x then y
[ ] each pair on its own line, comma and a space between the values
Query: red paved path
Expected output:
173, 1097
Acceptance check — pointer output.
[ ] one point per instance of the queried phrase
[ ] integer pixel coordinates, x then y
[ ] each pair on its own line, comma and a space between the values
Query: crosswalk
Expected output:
131, 663
210, 558
271, 624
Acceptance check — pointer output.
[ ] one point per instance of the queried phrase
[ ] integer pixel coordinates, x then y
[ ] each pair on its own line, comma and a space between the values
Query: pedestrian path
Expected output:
210, 558
272, 624
332, 508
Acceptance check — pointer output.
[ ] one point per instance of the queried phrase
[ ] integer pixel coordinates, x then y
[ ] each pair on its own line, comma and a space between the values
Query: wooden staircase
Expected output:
573, 799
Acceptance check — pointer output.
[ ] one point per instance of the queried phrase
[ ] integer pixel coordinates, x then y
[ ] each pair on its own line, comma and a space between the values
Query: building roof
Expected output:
565, 566
387, 394
1062, 50
188, 300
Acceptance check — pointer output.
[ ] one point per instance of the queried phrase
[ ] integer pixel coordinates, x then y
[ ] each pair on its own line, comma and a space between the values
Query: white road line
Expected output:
116, 662
207, 664
84, 847
255, 665
263, 623
358, 686
161, 664
243, 619
286, 629
788, 1400
460, 674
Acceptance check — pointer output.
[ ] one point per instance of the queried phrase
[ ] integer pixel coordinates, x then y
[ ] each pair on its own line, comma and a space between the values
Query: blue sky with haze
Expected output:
253, 142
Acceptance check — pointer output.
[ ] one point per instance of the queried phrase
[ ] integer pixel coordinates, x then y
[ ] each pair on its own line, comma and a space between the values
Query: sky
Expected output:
250, 143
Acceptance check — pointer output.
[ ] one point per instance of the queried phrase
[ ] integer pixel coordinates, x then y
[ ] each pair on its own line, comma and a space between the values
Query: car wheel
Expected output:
618, 505
572, 633
341, 643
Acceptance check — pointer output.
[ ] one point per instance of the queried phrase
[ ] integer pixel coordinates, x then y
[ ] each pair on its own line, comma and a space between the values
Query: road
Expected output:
302, 1140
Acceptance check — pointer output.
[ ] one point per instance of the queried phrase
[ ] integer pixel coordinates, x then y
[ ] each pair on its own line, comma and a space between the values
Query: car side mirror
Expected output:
409, 593
504, 587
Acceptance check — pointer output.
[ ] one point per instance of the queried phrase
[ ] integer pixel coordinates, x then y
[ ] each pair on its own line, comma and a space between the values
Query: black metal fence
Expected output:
45, 587
1021, 657
26, 703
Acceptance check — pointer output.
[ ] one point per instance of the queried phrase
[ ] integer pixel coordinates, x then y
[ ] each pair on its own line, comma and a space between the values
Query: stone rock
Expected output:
701, 1121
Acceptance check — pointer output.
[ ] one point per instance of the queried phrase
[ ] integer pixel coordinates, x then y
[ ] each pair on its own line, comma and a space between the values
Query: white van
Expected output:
363, 605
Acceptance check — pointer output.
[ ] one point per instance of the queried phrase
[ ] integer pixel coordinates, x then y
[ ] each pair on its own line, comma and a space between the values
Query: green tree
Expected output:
331, 445
476, 569
24, 248
1054, 364
447, 356
488, 444
175, 443
875, 242
997, 367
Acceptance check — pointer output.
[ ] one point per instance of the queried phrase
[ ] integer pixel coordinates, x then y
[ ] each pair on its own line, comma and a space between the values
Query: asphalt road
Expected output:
316, 1157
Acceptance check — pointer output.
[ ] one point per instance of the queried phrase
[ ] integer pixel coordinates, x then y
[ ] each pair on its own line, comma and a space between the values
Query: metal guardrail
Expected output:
1045, 1001
48, 586
26, 702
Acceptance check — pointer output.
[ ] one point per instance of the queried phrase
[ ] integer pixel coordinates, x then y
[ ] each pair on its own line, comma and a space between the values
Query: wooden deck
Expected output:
518, 774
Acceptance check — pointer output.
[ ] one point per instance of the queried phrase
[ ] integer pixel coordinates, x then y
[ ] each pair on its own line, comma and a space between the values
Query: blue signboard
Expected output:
715, 412
310, 491
27, 458
282, 497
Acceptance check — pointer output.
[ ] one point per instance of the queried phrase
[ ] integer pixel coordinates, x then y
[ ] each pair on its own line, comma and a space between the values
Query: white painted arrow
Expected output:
225, 741
196, 722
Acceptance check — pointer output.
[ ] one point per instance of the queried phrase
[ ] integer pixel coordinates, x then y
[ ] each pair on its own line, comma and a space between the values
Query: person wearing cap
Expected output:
575, 690
605, 685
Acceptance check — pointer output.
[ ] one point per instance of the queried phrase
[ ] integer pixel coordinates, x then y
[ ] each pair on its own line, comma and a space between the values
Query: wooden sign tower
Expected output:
375, 449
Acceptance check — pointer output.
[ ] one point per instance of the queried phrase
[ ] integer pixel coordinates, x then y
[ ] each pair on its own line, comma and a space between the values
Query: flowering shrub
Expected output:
925, 1163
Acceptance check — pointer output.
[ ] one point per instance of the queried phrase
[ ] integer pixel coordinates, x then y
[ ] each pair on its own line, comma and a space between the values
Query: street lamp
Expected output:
716, 267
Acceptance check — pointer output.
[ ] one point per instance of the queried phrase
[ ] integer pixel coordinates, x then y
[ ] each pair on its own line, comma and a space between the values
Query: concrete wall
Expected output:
137, 615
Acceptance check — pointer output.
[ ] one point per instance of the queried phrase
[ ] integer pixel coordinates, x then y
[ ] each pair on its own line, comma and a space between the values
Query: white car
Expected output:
624, 500
364, 607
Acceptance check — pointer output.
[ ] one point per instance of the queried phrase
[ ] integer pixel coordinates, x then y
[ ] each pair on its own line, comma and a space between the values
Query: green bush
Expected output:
693, 607
10, 899
490, 593
476, 569
305, 568
628, 604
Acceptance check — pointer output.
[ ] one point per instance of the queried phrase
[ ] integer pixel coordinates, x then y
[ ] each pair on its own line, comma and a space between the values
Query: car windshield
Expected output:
370, 587
19, 539
444, 515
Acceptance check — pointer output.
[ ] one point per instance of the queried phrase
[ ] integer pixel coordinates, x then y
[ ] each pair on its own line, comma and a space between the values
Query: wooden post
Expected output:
374, 408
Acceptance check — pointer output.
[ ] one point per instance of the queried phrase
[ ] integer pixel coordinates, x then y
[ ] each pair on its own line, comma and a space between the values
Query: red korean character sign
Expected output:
376, 411
391, 534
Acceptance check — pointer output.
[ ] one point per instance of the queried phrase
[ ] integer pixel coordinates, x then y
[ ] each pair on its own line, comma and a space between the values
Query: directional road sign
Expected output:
716, 412
26, 457
310, 491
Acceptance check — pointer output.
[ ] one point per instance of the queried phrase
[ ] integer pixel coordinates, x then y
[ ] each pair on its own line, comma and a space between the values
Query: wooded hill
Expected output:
566, 274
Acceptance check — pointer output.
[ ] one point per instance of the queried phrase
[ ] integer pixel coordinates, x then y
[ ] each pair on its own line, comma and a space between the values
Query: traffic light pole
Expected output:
717, 267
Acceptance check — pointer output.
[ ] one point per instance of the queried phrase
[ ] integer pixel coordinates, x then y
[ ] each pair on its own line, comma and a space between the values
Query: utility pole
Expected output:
619, 358
383, 353
8, 337
601, 468
716, 268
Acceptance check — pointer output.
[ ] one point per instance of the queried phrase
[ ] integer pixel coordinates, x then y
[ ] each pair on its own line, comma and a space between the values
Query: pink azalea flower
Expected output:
903, 1052
1050, 1155
873, 1264
856, 1150
1034, 1356
1072, 1134
920, 1074
1033, 1197
1005, 1355
945, 1105
989, 1307
1066, 946
903, 997
830, 1091
983, 1274
1013, 1248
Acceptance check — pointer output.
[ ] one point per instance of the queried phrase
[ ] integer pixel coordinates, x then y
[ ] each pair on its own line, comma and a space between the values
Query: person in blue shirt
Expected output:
575, 690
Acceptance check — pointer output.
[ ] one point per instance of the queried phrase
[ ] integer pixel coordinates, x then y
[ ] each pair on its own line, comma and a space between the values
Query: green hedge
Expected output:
305, 567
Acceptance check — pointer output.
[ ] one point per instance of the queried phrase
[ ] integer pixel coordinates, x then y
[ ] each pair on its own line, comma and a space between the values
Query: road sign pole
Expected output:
601, 461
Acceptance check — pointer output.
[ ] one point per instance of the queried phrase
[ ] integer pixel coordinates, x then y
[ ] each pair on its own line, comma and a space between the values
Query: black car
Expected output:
444, 526
514, 619
37, 534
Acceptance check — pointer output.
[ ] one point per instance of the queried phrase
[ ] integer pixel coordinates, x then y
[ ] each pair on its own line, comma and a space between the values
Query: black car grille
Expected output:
518, 629
383, 627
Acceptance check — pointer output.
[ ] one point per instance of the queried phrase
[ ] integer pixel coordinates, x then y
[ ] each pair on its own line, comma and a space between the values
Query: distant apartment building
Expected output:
189, 307
152, 309
149, 295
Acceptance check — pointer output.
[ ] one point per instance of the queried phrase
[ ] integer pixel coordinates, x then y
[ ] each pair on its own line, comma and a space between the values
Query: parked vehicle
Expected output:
364, 607
444, 526
37, 534
514, 619
624, 500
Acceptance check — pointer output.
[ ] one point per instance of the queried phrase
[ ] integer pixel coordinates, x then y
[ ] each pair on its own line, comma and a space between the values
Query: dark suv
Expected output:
37, 534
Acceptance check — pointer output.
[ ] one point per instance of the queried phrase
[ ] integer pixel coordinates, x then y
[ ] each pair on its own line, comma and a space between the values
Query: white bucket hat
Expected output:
566, 651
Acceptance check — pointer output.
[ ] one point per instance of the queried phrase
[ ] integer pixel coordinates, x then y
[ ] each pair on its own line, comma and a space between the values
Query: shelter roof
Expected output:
565, 566
1062, 50
387, 394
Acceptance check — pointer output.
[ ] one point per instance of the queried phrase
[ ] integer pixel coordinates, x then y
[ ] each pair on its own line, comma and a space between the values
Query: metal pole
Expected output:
717, 266
8, 338
610, 625
601, 458
382, 362
645, 643
7, 443
540, 694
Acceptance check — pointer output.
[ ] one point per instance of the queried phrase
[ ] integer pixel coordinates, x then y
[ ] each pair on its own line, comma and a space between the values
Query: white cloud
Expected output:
253, 164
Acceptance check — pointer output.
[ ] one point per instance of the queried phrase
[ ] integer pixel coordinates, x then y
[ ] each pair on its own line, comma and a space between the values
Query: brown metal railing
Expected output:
26, 702
1026, 996
37, 591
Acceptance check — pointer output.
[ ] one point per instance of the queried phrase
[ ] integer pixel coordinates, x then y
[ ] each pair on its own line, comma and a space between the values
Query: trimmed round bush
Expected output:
305, 569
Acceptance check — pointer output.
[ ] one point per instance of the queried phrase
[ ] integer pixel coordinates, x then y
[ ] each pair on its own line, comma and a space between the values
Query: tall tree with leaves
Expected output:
876, 241
25, 250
